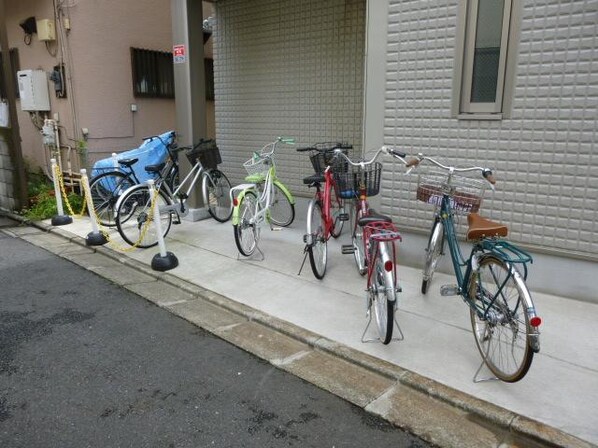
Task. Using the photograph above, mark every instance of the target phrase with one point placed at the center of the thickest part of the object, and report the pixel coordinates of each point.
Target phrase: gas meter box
(33, 90)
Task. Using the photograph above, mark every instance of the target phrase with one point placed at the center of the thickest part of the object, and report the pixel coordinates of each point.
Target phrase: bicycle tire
(133, 215)
(216, 195)
(337, 207)
(383, 296)
(105, 190)
(318, 249)
(433, 252)
(247, 235)
(503, 334)
(282, 209)
(357, 240)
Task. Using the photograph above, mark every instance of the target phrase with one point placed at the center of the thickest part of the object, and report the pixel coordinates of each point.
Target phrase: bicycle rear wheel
(134, 217)
(247, 234)
(433, 252)
(500, 319)
(337, 207)
(357, 239)
(318, 247)
(282, 210)
(105, 190)
(383, 294)
(216, 195)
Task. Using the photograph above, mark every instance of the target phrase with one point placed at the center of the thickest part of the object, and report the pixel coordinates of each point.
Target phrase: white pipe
(157, 223)
(92, 215)
(57, 193)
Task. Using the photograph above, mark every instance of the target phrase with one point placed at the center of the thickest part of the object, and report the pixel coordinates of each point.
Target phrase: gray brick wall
(544, 156)
(291, 68)
(6, 176)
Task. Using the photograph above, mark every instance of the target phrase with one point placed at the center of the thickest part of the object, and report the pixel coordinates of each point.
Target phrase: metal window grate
(153, 73)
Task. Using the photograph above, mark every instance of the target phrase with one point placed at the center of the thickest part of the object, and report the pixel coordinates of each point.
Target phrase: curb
(509, 428)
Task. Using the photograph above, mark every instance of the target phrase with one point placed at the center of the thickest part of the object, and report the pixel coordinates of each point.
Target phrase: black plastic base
(160, 263)
(61, 220)
(95, 239)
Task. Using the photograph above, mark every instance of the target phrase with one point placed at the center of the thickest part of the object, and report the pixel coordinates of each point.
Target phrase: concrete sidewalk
(438, 356)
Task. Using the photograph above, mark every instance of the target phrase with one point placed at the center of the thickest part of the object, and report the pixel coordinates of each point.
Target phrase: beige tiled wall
(290, 68)
(544, 156)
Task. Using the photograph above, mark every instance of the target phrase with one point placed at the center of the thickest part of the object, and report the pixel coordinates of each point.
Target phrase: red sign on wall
(179, 54)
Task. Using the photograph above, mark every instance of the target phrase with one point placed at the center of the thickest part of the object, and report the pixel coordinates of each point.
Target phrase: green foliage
(42, 201)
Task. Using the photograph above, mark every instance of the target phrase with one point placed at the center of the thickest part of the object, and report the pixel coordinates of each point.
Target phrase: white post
(89, 200)
(157, 223)
(115, 160)
(95, 237)
(57, 188)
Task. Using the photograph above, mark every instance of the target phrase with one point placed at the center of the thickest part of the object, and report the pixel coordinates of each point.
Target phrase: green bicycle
(263, 198)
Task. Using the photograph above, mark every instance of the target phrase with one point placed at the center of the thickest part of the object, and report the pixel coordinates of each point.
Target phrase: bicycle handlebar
(486, 172)
(386, 149)
(326, 147)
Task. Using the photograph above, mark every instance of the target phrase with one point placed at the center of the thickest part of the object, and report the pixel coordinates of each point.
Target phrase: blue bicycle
(491, 281)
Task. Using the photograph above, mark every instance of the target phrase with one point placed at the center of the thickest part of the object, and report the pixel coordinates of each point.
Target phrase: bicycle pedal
(276, 229)
(347, 249)
(343, 216)
(450, 290)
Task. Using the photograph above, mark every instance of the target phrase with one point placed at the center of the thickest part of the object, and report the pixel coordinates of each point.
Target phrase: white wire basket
(465, 193)
(257, 166)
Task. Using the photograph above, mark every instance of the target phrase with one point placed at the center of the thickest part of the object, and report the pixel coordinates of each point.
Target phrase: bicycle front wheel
(282, 210)
(433, 252)
(247, 233)
(135, 220)
(337, 207)
(318, 247)
(383, 294)
(500, 319)
(216, 195)
(105, 190)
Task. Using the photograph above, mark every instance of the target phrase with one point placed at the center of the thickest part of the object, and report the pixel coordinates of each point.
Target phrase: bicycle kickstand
(306, 252)
(476, 376)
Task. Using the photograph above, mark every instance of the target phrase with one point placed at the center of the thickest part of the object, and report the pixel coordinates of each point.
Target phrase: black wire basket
(207, 152)
(356, 179)
(323, 155)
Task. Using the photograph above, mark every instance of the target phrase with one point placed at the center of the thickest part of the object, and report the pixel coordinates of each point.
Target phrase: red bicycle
(373, 240)
(326, 211)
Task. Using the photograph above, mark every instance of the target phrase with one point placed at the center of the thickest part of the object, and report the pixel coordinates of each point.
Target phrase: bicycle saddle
(313, 179)
(481, 227)
(155, 168)
(373, 217)
(128, 162)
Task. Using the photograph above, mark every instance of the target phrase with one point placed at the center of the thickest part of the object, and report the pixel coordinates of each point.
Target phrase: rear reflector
(235, 202)
(388, 266)
(535, 321)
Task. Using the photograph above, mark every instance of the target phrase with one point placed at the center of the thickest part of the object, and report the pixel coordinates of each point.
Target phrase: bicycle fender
(388, 276)
(239, 197)
(127, 192)
(285, 190)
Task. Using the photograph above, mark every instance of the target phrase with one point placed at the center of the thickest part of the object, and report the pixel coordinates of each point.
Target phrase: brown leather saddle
(481, 227)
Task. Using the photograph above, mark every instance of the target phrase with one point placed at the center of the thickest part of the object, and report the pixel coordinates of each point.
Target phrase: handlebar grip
(305, 149)
(412, 163)
(288, 140)
(397, 153)
(489, 176)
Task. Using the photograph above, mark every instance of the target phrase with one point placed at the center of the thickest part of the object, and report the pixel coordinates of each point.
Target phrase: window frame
(152, 63)
(462, 107)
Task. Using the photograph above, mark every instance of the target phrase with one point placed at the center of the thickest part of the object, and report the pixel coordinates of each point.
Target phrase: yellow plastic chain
(58, 175)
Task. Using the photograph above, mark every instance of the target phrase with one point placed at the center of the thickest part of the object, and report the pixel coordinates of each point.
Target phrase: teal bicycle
(263, 198)
(491, 281)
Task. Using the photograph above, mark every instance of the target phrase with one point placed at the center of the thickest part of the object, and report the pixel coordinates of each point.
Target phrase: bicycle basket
(323, 155)
(257, 165)
(207, 152)
(350, 183)
(465, 194)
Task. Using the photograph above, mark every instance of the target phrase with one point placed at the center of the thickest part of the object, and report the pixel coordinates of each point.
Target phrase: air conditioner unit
(33, 90)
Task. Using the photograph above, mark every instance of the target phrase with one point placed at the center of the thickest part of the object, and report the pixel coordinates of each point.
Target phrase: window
(14, 60)
(153, 74)
(484, 59)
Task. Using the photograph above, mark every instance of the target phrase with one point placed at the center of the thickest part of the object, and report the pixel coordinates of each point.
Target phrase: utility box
(46, 30)
(33, 90)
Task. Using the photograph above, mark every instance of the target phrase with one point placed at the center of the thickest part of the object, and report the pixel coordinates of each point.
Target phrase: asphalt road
(85, 363)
